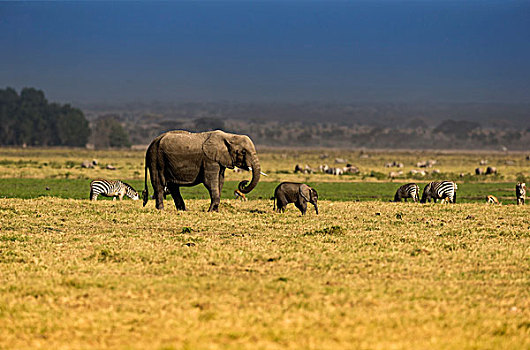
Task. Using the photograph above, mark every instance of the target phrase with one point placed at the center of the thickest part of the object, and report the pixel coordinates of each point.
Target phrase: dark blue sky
(348, 51)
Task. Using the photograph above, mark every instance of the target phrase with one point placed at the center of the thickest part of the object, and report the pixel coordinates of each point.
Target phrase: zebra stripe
(520, 192)
(111, 188)
(444, 190)
(410, 190)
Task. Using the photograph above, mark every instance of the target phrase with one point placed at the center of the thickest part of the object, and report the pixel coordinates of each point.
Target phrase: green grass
(334, 191)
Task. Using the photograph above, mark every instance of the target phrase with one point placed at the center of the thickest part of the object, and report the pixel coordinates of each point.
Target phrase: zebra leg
(177, 197)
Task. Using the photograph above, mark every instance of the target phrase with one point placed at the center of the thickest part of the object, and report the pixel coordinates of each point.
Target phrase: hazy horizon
(294, 51)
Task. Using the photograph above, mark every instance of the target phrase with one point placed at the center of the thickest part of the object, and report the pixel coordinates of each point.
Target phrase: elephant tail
(145, 192)
(274, 203)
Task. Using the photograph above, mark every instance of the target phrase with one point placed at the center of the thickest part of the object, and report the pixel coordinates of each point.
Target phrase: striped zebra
(492, 199)
(111, 188)
(520, 192)
(444, 190)
(410, 190)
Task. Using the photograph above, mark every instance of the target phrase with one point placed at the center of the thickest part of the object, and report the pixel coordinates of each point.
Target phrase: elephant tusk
(261, 172)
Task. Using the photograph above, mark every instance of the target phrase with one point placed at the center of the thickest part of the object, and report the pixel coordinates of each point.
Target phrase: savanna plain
(366, 273)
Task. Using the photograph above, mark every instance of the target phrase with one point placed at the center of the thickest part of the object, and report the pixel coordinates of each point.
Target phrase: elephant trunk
(256, 173)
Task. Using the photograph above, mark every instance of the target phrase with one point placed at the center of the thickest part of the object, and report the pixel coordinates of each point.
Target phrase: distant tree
(9, 101)
(456, 128)
(72, 127)
(108, 132)
(208, 124)
(29, 119)
(417, 123)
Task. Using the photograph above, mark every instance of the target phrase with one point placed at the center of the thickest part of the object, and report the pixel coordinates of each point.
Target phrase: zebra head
(426, 193)
(131, 192)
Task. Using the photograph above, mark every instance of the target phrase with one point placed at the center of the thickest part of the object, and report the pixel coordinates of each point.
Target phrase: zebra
(520, 192)
(410, 190)
(492, 199)
(111, 188)
(444, 190)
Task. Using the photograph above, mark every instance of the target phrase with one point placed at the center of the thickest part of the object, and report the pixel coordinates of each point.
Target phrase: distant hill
(473, 125)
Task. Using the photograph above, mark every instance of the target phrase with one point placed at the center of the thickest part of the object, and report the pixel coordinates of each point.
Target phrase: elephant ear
(314, 194)
(305, 192)
(217, 148)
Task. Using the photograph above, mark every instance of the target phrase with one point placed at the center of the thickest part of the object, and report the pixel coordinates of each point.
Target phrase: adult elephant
(180, 158)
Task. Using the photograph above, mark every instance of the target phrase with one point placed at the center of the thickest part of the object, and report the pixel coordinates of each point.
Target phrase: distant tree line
(29, 119)
(108, 132)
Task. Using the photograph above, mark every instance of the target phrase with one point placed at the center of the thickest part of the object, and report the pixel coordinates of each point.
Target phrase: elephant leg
(281, 202)
(177, 197)
(221, 180)
(159, 199)
(158, 183)
(279, 206)
(302, 206)
(215, 196)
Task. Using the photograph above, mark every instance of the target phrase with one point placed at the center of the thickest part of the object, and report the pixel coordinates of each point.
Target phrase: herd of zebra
(446, 192)
(443, 190)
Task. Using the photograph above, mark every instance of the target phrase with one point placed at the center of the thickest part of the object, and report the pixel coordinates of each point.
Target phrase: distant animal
(520, 192)
(394, 174)
(293, 192)
(394, 164)
(479, 171)
(490, 199)
(444, 190)
(240, 195)
(491, 170)
(112, 188)
(410, 190)
(305, 170)
(350, 169)
(337, 171)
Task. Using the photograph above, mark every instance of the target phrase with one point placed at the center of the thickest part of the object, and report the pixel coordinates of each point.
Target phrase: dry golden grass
(364, 275)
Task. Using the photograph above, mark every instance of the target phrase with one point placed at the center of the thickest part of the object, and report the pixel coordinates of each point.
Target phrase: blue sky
(288, 51)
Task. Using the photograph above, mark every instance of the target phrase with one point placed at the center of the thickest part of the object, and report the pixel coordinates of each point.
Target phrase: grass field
(364, 274)
(333, 191)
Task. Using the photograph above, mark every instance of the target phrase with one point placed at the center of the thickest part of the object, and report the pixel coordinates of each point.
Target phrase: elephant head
(310, 195)
(230, 151)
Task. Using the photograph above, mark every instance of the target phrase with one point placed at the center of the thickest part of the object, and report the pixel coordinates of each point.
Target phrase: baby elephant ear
(217, 148)
(305, 192)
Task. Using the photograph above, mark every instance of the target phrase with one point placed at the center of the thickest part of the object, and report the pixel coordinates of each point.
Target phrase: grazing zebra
(520, 192)
(492, 199)
(444, 190)
(408, 191)
(111, 188)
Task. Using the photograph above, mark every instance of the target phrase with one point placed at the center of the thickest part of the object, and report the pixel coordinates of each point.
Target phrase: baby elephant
(297, 193)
